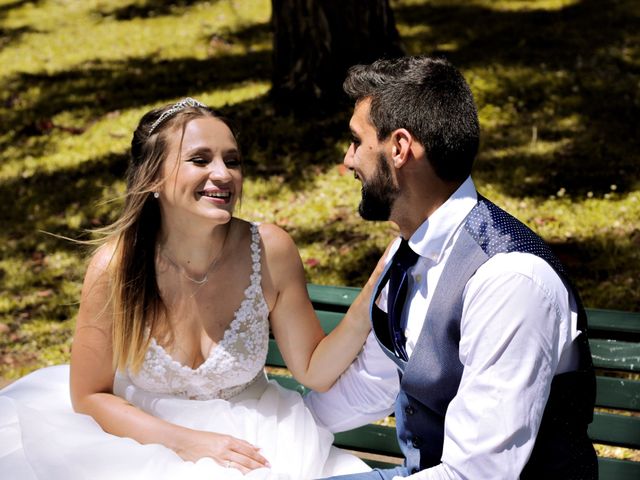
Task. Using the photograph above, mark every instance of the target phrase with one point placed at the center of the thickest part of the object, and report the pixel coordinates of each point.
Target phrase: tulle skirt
(42, 438)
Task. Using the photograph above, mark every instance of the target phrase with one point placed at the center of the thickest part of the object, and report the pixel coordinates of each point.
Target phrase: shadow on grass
(598, 265)
(574, 64)
(97, 88)
(8, 6)
(600, 269)
(42, 201)
(10, 36)
(150, 8)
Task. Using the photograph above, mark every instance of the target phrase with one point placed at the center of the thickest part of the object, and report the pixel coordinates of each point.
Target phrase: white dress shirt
(518, 327)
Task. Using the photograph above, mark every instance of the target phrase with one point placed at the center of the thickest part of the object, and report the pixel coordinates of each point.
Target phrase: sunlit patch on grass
(55, 28)
(104, 136)
(617, 452)
(527, 5)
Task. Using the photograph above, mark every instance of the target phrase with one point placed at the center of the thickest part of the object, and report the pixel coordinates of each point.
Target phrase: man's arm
(366, 391)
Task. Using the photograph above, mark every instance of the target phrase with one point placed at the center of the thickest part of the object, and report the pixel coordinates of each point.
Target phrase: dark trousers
(377, 474)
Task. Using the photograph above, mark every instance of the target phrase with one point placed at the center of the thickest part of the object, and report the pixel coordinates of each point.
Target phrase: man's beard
(378, 194)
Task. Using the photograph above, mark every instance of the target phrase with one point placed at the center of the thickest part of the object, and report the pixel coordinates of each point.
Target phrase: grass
(556, 83)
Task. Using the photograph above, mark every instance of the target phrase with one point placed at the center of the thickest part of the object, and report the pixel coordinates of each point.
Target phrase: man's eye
(355, 141)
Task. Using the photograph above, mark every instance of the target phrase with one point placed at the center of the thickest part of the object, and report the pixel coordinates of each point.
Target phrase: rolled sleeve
(365, 392)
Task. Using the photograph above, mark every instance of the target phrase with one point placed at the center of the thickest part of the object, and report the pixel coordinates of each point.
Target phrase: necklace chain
(183, 271)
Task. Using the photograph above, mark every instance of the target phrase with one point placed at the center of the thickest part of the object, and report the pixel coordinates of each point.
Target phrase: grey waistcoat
(430, 379)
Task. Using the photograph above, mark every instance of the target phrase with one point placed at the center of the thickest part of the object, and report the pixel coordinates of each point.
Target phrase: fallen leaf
(312, 262)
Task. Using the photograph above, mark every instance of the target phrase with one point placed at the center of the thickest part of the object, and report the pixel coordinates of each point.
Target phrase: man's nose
(349, 157)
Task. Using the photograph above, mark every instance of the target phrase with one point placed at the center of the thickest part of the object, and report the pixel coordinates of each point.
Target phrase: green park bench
(615, 344)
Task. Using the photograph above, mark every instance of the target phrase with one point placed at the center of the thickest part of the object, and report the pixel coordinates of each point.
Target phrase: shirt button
(418, 278)
(409, 410)
(415, 441)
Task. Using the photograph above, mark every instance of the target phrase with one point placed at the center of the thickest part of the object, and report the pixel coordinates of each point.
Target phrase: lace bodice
(232, 365)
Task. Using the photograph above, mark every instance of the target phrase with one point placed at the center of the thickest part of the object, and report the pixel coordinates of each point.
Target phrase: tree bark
(316, 41)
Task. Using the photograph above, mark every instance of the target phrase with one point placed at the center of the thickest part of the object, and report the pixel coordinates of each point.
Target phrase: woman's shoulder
(102, 259)
(277, 245)
(276, 239)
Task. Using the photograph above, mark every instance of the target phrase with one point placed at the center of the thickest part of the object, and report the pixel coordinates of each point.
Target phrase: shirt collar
(432, 237)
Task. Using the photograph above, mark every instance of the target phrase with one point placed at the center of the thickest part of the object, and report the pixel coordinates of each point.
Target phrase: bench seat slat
(370, 438)
(289, 383)
(379, 464)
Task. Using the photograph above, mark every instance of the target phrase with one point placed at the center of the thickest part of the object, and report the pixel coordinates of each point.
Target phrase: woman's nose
(220, 171)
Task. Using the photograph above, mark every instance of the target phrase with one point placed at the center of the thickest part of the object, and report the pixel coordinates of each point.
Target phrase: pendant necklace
(212, 265)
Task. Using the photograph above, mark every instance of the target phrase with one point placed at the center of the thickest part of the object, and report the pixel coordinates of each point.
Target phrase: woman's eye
(232, 162)
(198, 161)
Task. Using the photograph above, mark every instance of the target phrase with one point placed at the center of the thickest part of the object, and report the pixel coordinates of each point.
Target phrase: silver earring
(156, 194)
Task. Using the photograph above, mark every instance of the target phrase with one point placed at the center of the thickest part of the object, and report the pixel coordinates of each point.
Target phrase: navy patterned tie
(403, 260)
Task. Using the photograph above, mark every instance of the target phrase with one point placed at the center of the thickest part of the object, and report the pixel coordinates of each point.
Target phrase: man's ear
(401, 143)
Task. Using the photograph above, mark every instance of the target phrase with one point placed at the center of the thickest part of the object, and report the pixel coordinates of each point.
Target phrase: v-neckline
(254, 284)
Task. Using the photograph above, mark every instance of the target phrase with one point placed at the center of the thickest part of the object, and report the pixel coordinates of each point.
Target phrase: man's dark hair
(431, 99)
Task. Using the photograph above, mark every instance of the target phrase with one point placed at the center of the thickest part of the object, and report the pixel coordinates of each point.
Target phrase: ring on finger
(227, 464)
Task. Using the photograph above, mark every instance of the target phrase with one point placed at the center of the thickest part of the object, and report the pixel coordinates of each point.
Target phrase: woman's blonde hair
(136, 302)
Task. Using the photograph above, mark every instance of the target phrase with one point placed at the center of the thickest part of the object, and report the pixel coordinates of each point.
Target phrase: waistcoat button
(414, 470)
(415, 441)
(409, 410)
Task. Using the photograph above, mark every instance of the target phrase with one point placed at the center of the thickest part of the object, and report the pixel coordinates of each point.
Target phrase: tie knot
(405, 257)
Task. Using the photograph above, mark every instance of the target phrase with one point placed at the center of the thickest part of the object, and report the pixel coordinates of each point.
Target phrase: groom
(473, 315)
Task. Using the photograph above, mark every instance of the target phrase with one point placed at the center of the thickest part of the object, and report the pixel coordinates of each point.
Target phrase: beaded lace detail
(232, 365)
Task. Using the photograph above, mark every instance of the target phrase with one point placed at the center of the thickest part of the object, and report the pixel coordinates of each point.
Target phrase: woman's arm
(314, 359)
(92, 385)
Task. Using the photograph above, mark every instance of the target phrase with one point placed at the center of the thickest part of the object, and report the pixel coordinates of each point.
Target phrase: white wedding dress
(42, 438)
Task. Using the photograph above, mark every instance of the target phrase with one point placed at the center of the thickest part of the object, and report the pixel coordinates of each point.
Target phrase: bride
(167, 367)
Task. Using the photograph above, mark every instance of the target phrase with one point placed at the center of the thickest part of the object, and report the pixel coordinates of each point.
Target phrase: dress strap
(255, 251)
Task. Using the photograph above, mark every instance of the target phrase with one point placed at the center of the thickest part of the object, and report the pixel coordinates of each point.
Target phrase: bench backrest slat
(615, 354)
(618, 393)
(614, 469)
(613, 321)
(614, 429)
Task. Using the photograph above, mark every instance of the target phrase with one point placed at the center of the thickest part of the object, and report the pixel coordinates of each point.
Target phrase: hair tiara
(181, 105)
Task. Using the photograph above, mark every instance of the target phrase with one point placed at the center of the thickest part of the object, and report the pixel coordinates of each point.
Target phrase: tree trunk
(316, 41)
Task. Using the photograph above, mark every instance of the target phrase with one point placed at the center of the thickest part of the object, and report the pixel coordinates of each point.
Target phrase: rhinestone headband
(181, 105)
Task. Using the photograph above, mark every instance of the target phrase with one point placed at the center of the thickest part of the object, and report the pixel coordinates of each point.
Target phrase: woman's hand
(226, 450)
